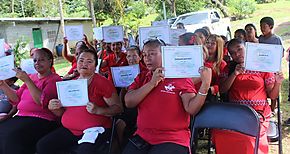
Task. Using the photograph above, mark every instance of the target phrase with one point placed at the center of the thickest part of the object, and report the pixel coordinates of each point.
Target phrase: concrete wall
(12, 31)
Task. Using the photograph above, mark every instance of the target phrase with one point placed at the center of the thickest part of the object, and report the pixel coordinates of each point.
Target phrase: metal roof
(44, 19)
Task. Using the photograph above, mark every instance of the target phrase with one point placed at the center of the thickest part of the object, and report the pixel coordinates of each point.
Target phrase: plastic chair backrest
(229, 116)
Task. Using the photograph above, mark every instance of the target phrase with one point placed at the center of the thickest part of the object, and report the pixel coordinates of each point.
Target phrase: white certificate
(2, 49)
(124, 76)
(6, 66)
(98, 33)
(160, 23)
(98, 66)
(27, 65)
(182, 61)
(160, 32)
(74, 33)
(113, 34)
(263, 57)
(73, 92)
(174, 35)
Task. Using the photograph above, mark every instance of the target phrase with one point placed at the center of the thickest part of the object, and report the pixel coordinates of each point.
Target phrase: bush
(241, 9)
(265, 1)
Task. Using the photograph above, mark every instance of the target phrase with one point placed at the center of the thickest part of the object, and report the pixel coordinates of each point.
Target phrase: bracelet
(202, 94)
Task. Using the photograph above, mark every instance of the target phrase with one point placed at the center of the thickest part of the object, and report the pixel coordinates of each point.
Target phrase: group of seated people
(153, 113)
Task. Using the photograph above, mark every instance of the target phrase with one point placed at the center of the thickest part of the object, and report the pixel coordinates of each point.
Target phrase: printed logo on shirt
(169, 89)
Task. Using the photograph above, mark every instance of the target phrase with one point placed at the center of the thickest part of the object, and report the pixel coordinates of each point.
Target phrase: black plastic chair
(229, 116)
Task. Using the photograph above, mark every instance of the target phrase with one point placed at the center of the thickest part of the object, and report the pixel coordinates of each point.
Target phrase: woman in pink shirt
(76, 120)
(19, 134)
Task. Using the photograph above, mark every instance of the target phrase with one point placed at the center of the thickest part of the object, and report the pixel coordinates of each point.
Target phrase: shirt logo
(169, 89)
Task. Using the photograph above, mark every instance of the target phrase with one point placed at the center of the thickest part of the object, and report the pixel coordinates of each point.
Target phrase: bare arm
(134, 97)
(114, 107)
(34, 91)
(65, 51)
(226, 84)
(273, 89)
(192, 103)
(9, 92)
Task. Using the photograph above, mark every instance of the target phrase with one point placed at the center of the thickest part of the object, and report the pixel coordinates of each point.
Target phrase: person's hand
(92, 108)
(22, 75)
(85, 39)
(205, 74)
(65, 41)
(239, 69)
(95, 42)
(54, 104)
(157, 77)
(279, 77)
(75, 73)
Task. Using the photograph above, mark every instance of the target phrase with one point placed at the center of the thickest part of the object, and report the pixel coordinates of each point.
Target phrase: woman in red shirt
(250, 88)
(103, 104)
(164, 106)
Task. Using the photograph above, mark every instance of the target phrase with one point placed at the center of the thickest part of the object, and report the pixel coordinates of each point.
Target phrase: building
(40, 32)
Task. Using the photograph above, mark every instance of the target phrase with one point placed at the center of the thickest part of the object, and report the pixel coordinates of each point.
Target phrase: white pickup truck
(208, 18)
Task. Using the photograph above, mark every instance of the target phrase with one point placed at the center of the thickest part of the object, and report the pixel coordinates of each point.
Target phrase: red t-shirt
(161, 115)
(73, 66)
(215, 77)
(250, 88)
(77, 118)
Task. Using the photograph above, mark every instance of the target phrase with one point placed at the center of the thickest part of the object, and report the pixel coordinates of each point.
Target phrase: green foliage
(76, 8)
(265, 1)
(182, 6)
(20, 50)
(242, 8)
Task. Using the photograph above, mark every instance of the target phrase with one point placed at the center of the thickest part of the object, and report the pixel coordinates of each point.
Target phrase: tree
(220, 4)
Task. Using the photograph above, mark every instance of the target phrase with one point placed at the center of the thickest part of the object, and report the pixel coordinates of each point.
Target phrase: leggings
(63, 141)
(20, 134)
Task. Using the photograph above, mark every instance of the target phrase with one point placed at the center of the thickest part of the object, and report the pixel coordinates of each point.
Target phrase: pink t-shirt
(26, 105)
(161, 115)
(77, 118)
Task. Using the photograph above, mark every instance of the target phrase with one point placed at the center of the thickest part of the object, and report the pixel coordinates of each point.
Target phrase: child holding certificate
(164, 106)
(250, 88)
(85, 127)
(20, 133)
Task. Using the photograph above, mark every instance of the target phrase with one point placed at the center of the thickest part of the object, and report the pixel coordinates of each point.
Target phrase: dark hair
(234, 42)
(154, 43)
(252, 25)
(134, 47)
(242, 31)
(267, 20)
(190, 39)
(93, 52)
(203, 31)
(48, 53)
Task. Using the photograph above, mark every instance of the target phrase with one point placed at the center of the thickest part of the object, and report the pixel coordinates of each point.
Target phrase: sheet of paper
(182, 61)
(73, 92)
(6, 66)
(263, 57)
(174, 36)
(113, 34)
(160, 32)
(124, 76)
(2, 49)
(98, 66)
(27, 65)
(98, 33)
(74, 33)
(160, 23)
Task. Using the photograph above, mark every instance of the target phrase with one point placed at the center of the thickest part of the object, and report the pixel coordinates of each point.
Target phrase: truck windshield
(193, 19)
